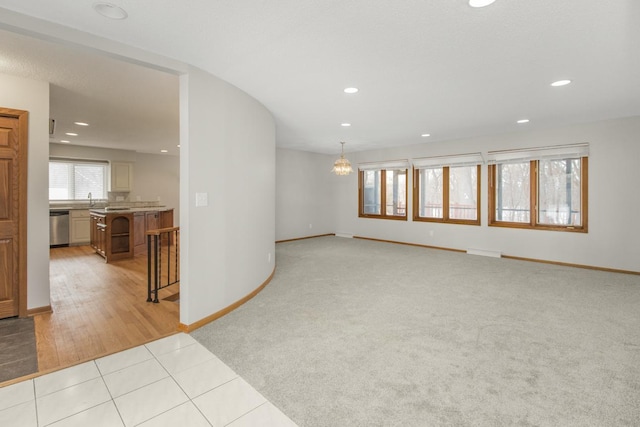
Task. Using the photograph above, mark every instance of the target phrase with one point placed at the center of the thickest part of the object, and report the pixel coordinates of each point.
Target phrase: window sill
(395, 218)
(527, 226)
(447, 221)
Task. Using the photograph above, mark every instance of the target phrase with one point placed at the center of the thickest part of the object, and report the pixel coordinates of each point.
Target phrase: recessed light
(109, 10)
(560, 83)
(521, 121)
(81, 123)
(71, 134)
(65, 141)
(164, 151)
(425, 135)
(351, 90)
(346, 125)
(480, 3)
(178, 145)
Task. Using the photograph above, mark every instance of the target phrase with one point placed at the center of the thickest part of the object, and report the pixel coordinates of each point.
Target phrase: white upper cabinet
(121, 176)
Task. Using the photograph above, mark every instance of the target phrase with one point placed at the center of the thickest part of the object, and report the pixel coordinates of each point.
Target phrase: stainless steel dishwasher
(58, 228)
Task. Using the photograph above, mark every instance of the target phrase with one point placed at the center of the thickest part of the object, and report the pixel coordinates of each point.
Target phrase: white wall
(33, 96)
(304, 197)
(91, 153)
(157, 177)
(228, 153)
(613, 240)
(154, 175)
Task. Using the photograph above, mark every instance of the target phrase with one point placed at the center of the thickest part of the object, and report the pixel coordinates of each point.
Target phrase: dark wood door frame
(21, 163)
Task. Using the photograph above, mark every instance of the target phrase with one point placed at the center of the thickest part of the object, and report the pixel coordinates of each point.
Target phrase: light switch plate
(202, 199)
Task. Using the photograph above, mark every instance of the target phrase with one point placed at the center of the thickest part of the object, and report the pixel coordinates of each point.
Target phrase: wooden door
(13, 212)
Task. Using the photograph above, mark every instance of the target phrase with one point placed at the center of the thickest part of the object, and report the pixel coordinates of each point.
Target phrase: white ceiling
(127, 106)
(422, 66)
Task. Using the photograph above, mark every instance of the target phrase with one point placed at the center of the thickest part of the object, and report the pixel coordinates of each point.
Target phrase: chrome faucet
(91, 202)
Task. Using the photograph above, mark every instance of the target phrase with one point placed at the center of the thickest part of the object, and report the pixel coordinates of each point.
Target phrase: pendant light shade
(342, 166)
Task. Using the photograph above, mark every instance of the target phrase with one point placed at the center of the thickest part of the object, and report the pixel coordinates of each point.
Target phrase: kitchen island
(119, 233)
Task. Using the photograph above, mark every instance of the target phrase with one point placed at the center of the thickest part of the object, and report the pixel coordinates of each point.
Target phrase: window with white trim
(542, 188)
(447, 189)
(382, 190)
(75, 179)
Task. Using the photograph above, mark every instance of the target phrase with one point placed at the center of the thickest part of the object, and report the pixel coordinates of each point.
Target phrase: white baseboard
(484, 252)
(347, 235)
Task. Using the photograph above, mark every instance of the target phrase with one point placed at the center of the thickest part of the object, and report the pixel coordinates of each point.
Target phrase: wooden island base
(119, 235)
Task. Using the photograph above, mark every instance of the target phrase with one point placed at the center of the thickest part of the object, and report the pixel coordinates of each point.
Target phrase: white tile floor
(169, 382)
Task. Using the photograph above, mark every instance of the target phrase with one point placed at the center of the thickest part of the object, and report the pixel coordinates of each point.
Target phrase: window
(75, 179)
(383, 191)
(447, 189)
(542, 188)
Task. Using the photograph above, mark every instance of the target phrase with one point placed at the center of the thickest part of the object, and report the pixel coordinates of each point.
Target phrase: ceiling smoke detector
(110, 11)
(480, 3)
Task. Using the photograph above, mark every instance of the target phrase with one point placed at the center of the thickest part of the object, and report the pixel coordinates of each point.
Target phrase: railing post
(156, 269)
(149, 268)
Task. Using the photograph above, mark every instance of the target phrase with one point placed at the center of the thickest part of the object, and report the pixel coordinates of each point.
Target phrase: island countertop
(110, 210)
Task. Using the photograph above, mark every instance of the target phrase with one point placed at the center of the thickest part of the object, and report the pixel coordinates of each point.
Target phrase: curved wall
(228, 153)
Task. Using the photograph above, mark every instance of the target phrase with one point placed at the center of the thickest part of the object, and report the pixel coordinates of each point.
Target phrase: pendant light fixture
(342, 165)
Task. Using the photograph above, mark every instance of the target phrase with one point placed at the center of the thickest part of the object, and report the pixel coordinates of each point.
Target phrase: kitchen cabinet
(166, 218)
(149, 220)
(139, 232)
(112, 235)
(79, 229)
(152, 220)
(97, 233)
(166, 221)
(121, 177)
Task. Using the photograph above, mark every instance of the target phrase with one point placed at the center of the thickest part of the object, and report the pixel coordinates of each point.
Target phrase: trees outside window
(447, 189)
(383, 193)
(548, 193)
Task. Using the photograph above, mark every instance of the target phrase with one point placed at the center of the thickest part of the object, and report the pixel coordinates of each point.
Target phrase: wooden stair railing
(159, 276)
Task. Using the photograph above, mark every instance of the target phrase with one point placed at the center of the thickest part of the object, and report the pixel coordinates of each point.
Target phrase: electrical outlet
(269, 257)
(310, 226)
(430, 233)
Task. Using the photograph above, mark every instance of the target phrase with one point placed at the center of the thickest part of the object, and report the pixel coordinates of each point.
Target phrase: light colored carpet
(360, 333)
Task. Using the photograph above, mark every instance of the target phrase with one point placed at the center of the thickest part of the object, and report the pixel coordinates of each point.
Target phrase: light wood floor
(99, 308)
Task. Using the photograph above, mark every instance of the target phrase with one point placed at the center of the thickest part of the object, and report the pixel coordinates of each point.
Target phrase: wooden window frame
(383, 196)
(445, 199)
(533, 201)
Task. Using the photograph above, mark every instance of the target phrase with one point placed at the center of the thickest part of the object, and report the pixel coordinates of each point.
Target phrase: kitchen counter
(99, 206)
(107, 210)
(66, 208)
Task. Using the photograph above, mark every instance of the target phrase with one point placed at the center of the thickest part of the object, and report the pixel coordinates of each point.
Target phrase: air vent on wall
(52, 126)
